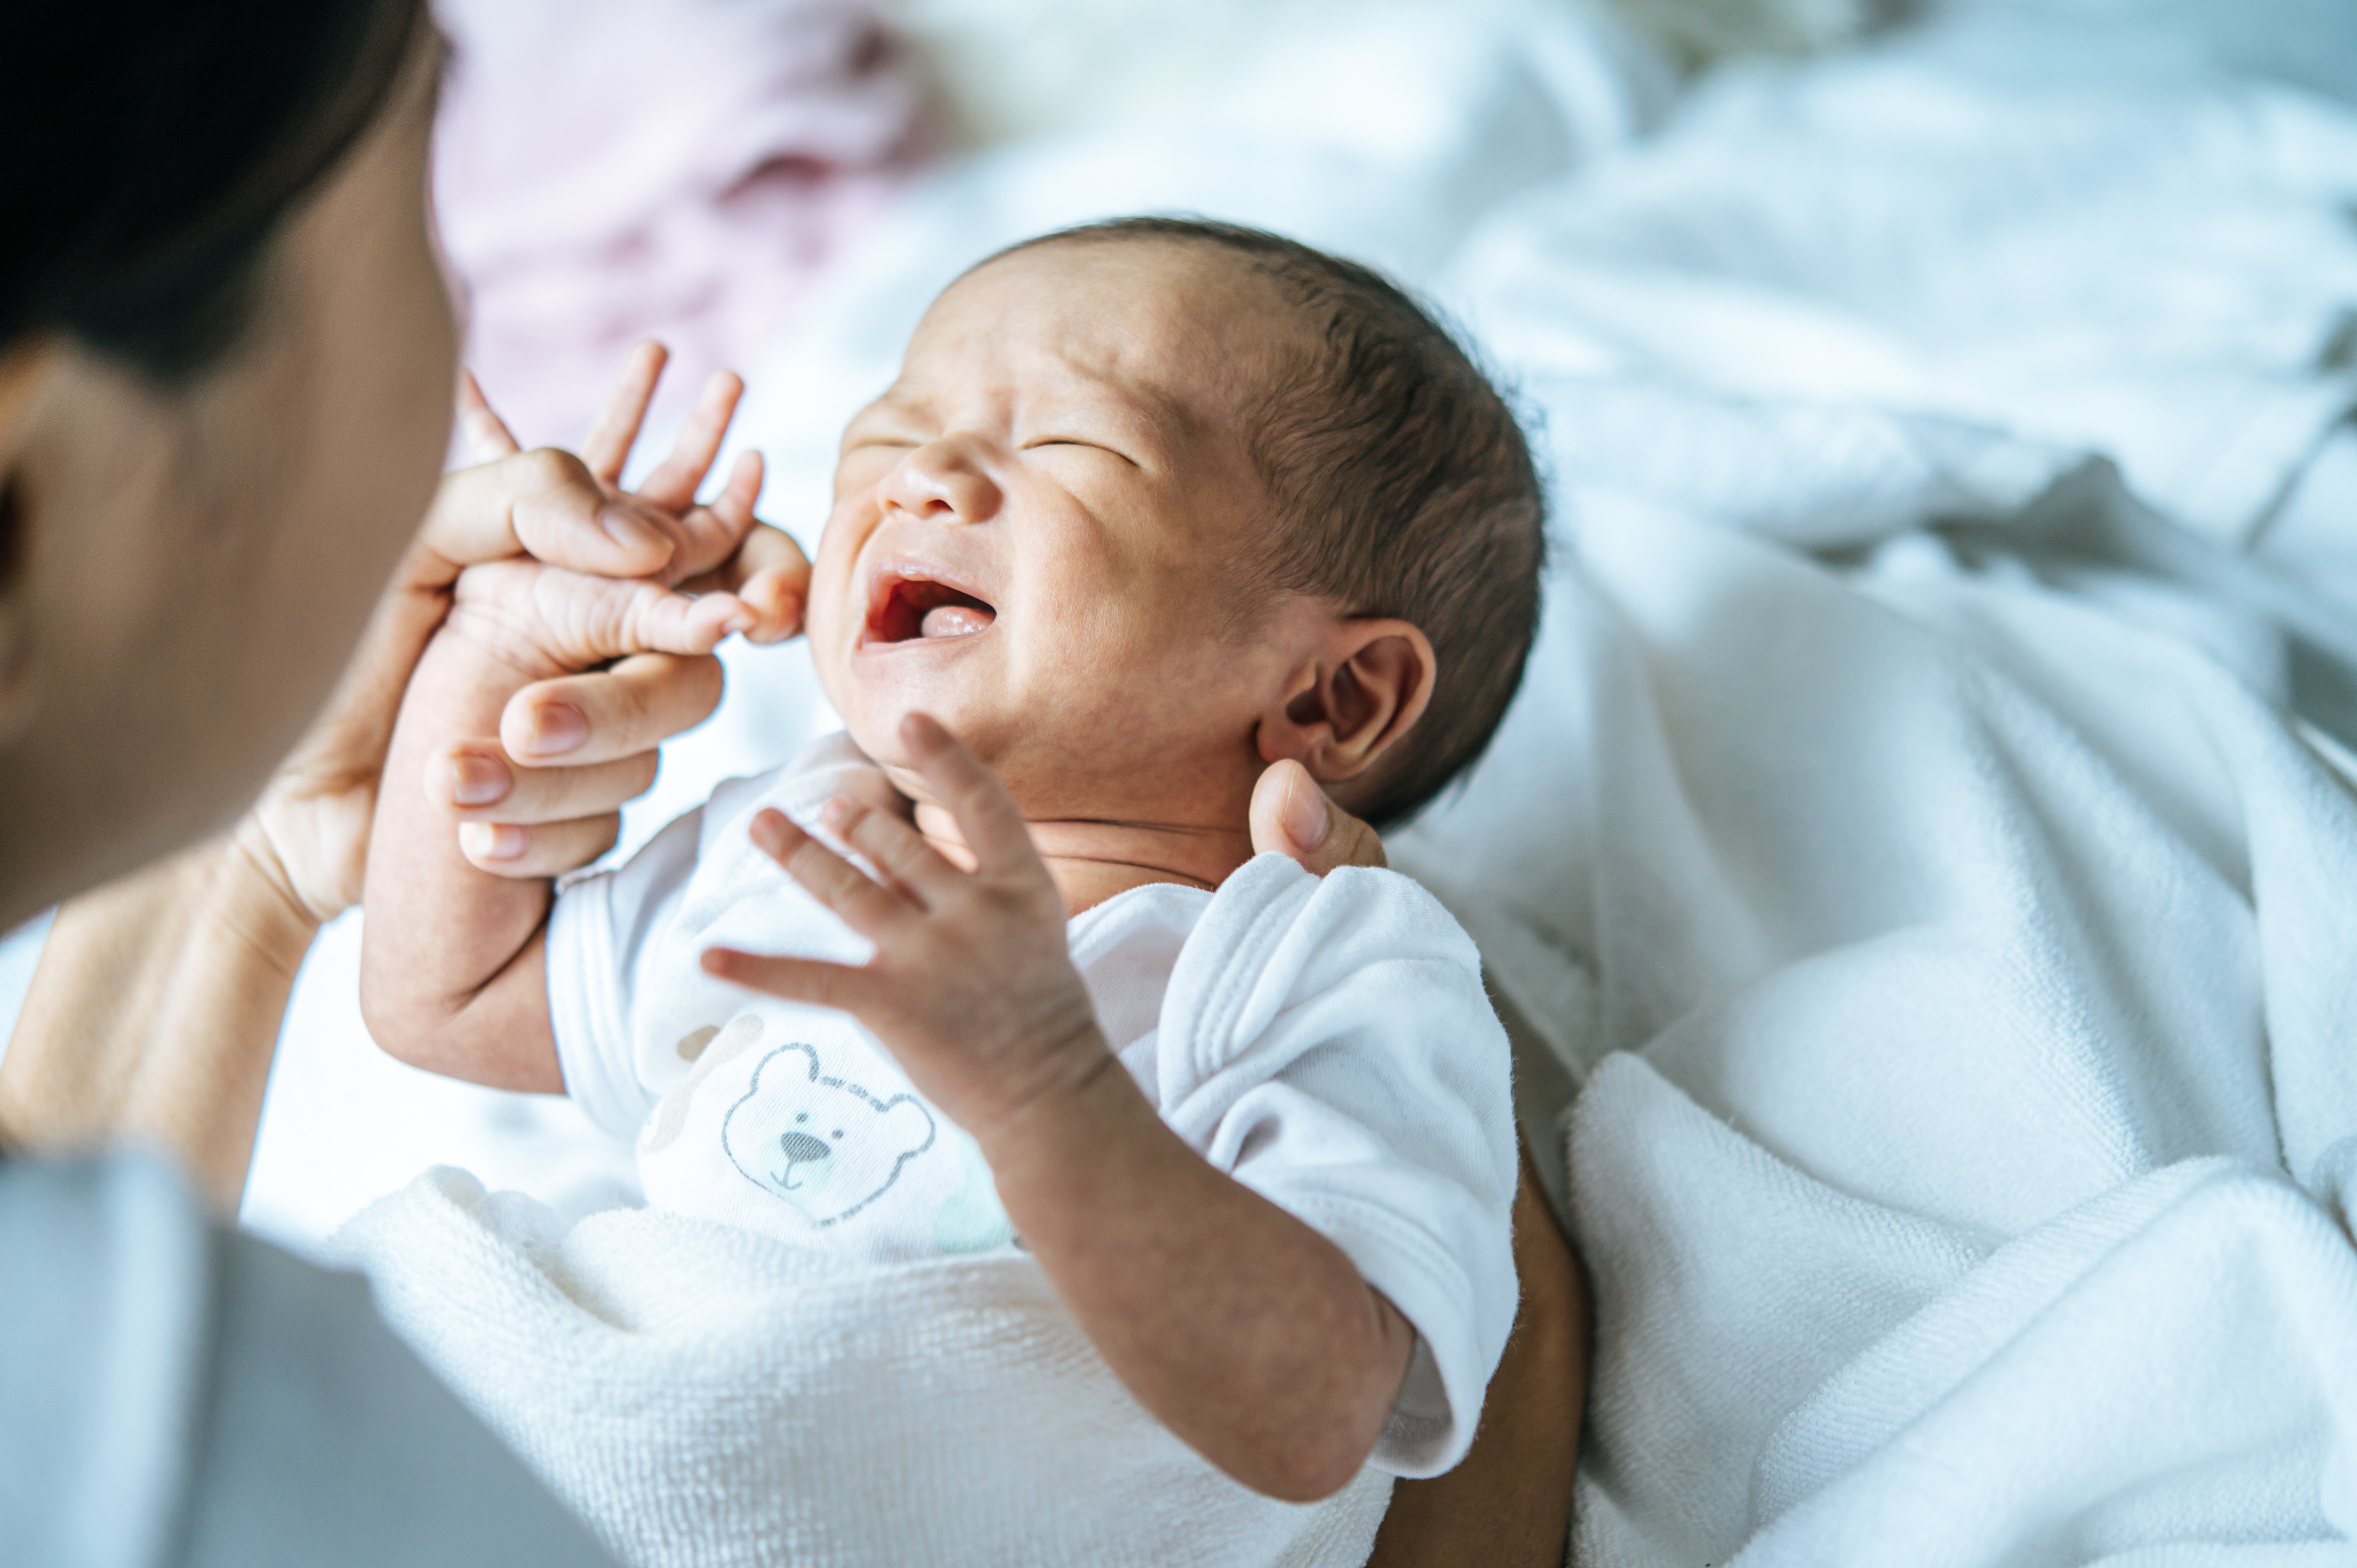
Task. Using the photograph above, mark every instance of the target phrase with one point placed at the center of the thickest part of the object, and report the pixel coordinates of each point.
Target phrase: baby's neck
(1092, 861)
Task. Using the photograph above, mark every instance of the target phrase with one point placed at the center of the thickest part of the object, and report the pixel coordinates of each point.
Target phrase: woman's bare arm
(1508, 1503)
(154, 1013)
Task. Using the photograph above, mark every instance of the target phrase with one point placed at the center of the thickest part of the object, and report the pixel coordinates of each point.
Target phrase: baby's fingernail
(627, 531)
(491, 841)
(556, 728)
(836, 812)
(1305, 815)
(477, 781)
(769, 830)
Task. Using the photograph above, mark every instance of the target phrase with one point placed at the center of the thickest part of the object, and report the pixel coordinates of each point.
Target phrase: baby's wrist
(1071, 1120)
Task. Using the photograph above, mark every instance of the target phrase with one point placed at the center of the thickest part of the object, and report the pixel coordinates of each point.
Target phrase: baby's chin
(873, 720)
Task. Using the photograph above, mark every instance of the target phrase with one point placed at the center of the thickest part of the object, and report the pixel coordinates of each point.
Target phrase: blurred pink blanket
(612, 169)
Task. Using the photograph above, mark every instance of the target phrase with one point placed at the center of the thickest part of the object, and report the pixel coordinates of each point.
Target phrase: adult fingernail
(556, 728)
(479, 780)
(1304, 814)
(627, 531)
(491, 841)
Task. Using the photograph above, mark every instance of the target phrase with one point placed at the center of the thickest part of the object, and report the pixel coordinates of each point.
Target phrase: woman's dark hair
(153, 148)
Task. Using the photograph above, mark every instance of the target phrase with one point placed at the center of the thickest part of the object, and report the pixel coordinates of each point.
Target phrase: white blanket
(1959, 945)
(705, 1396)
(1985, 960)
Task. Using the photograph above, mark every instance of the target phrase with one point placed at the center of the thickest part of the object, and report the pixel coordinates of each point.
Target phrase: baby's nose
(800, 1146)
(942, 481)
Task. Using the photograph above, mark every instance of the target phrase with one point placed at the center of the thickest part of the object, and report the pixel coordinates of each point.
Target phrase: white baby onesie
(1326, 1042)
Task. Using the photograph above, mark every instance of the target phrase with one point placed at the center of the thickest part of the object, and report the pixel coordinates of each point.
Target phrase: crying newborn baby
(1153, 505)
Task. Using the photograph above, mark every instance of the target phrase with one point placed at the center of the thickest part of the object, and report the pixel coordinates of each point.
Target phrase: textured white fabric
(1976, 918)
(1972, 1182)
(1326, 1042)
(714, 1398)
(1834, 296)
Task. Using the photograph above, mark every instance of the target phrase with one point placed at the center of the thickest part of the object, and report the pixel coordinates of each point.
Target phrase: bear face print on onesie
(792, 1122)
(826, 1146)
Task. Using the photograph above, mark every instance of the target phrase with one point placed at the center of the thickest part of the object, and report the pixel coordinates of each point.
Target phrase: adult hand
(1292, 816)
(577, 747)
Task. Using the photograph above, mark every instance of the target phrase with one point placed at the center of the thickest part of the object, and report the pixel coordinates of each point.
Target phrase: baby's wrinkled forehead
(1171, 335)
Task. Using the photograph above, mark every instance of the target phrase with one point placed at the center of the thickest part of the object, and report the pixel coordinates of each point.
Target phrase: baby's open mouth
(910, 608)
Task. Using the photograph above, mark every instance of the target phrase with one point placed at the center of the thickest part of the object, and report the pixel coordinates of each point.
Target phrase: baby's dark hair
(1403, 486)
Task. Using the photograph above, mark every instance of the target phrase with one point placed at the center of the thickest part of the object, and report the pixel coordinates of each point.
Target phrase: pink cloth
(607, 171)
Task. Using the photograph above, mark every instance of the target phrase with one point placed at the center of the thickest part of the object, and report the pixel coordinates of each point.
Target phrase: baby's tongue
(952, 620)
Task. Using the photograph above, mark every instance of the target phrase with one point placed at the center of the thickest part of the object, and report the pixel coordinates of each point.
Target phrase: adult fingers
(544, 849)
(676, 480)
(1292, 816)
(545, 503)
(616, 430)
(804, 980)
(474, 780)
(633, 707)
(993, 829)
(487, 436)
(863, 904)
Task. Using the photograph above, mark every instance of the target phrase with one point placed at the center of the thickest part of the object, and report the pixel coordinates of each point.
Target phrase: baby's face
(1036, 532)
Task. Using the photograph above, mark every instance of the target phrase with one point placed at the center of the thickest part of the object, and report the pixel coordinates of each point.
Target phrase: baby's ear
(1364, 686)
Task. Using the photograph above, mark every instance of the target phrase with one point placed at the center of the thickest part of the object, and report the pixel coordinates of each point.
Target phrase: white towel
(703, 1395)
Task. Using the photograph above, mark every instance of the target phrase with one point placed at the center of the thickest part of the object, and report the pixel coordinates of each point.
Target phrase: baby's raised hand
(972, 985)
(704, 571)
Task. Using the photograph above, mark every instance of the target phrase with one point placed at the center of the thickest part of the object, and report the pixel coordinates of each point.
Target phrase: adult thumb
(1292, 816)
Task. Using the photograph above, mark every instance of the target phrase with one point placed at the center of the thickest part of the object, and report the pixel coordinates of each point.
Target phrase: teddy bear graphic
(827, 1146)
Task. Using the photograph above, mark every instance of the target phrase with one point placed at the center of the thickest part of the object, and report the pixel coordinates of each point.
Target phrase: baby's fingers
(993, 829)
(895, 849)
(674, 484)
(660, 620)
(487, 436)
(872, 910)
(771, 577)
(709, 536)
(803, 979)
(607, 447)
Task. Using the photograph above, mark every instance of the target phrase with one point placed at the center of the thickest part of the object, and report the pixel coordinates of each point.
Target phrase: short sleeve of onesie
(1328, 1043)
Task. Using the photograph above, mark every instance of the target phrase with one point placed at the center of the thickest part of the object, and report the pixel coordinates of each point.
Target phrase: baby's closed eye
(1081, 443)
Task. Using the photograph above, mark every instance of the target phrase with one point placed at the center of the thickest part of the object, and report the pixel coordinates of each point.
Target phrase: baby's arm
(1243, 1330)
(452, 970)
